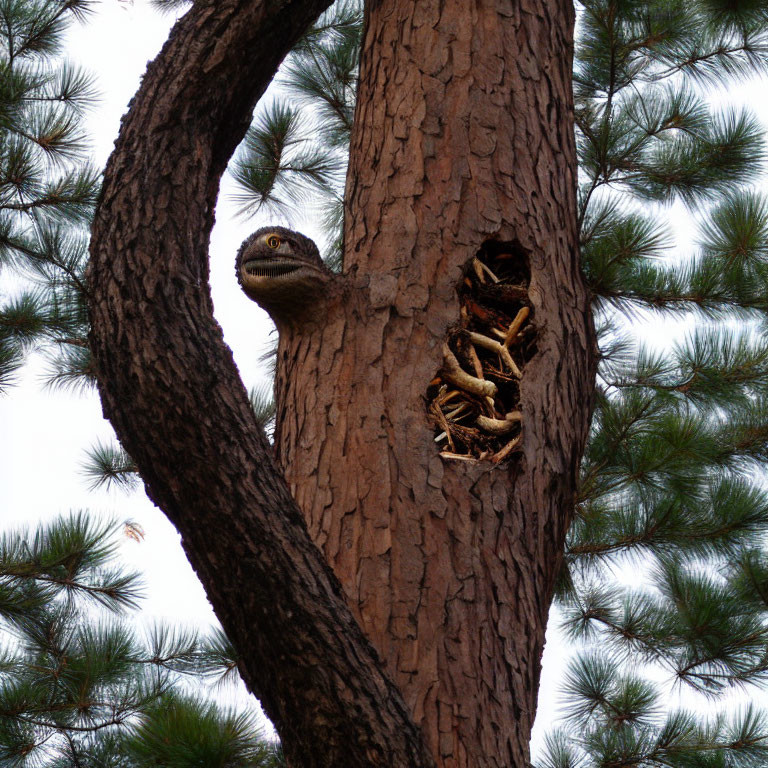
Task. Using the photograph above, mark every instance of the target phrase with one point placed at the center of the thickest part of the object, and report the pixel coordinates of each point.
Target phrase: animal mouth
(270, 267)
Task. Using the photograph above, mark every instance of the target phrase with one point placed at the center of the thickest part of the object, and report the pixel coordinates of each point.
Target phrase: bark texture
(463, 133)
(170, 388)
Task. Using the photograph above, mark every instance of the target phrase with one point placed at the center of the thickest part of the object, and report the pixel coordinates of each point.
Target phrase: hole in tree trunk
(474, 399)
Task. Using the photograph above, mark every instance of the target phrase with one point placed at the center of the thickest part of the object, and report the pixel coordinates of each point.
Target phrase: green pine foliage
(293, 160)
(263, 405)
(109, 466)
(81, 684)
(47, 190)
(203, 735)
(671, 483)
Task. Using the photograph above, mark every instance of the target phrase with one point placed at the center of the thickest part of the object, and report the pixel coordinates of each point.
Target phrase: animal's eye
(273, 241)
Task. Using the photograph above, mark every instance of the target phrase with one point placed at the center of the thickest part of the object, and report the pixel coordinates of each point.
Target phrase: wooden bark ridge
(426, 649)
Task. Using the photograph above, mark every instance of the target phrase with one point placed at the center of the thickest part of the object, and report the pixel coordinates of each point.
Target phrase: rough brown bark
(463, 133)
(171, 390)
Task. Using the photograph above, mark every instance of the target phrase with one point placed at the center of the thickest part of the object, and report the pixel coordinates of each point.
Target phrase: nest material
(474, 401)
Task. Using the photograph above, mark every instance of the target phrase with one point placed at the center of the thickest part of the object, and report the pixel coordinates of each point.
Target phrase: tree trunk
(171, 390)
(463, 134)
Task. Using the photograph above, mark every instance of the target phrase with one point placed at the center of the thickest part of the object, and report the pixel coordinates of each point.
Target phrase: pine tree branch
(594, 549)
(80, 343)
(46, 201)
(704, 58)
(594, 470)
(73, 750)
(747, 641)
(69, 728)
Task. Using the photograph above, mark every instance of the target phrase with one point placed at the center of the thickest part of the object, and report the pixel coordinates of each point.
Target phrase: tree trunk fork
(463, 134)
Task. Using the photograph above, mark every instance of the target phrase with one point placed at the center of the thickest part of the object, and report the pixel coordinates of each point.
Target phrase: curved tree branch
(171, 390)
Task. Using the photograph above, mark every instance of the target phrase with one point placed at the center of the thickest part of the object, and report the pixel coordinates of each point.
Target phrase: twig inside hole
(438, 411)
(455, 374)
(494, 346)
(499, 456)
(515, 325)
(480, 267)
(500, 426)
(475, 362)
(460, 456)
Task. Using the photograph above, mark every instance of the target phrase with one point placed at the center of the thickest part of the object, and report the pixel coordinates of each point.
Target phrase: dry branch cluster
(474, 399)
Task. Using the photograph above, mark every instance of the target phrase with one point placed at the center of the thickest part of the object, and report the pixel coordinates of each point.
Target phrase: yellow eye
(273, 241)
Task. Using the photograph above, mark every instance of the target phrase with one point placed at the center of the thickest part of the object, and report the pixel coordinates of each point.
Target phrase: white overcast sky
(45, 433)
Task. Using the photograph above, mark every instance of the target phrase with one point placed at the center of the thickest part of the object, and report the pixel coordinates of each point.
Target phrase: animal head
(282, 272)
